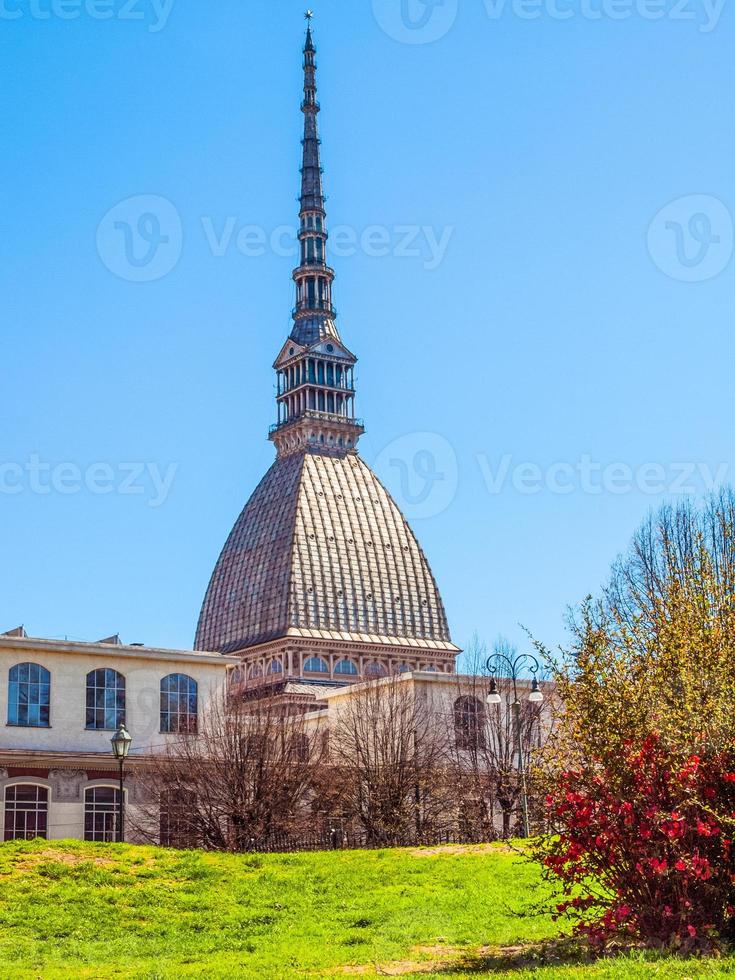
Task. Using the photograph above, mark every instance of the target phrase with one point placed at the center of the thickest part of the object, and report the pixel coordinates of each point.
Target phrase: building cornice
(354, 643)
(114, 651)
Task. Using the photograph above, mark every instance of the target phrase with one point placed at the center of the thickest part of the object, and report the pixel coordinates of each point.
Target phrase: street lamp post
(495, 663)
(121, 742)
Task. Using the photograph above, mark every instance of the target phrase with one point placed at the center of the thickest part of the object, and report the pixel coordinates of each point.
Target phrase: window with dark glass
(301, 748)
(179, 703)
(105, 699)
(29, 696)
(316, 665)
(101, 807)
(469, 723)
(26, 812)
(178, 824)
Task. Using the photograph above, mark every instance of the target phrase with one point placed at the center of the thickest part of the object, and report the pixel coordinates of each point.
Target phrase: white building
(60, 704)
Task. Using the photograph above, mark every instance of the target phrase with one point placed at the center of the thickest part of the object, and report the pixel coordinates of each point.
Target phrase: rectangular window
(178, 820)
(101, 805)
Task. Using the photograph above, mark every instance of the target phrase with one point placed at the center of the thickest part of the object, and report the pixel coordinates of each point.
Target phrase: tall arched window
(469, 723)
(316, 665)
(105, 699)
(29, 696)
(26, 812)
(345, 667)
(179, 704)
(101, 807)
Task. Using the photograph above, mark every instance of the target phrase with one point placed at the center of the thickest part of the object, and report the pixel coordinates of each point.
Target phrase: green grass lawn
(77, 910)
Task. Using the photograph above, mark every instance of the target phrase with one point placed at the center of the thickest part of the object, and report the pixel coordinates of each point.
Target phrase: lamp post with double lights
(512, 667)
(121, 742)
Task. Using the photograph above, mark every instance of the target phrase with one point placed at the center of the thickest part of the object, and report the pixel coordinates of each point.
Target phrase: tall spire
(312, 193)
(314, 314)
(316, 388)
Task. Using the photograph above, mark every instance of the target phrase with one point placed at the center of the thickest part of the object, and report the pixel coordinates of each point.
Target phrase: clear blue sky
(559, 325)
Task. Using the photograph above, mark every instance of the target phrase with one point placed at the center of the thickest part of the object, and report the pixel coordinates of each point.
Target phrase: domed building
(321, 581)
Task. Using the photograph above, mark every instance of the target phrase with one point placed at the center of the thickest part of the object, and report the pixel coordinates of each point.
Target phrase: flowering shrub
(645, 850)
(641, 767)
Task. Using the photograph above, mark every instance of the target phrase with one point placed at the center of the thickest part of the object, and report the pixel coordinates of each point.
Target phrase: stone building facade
(60, 704)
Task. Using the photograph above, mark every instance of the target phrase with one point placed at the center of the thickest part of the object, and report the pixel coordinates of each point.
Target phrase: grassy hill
(77, 910)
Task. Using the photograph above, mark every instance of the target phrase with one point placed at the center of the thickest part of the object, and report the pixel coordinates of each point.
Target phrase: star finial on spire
(309, 15)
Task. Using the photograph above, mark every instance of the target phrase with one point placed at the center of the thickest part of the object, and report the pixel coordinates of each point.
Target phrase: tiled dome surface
(321, 545)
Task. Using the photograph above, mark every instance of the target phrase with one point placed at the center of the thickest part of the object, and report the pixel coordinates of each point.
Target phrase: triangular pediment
(327, 348)
(289, 350)
(330, 348)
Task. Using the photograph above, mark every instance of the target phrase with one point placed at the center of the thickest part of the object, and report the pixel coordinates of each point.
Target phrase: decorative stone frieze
(66, 785)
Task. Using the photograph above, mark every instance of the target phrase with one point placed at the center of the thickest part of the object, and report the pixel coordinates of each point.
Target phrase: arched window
(469, 723)
(101, 807)
(316, 665)
(375, 669)
(404, 669)
(255, 671)
(26, 812)
(29, 696)
(345, 667)
(179, 704)
(105, 699)
(275, 667)
(431, 668)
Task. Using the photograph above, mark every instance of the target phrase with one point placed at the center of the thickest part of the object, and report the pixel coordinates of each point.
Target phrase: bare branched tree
(390, 761)
(243, 781)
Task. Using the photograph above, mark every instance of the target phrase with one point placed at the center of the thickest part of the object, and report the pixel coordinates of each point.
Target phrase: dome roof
(321, 549)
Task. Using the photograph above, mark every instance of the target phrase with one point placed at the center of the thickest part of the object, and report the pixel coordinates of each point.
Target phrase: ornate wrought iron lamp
(512, 667)
(121, 742)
